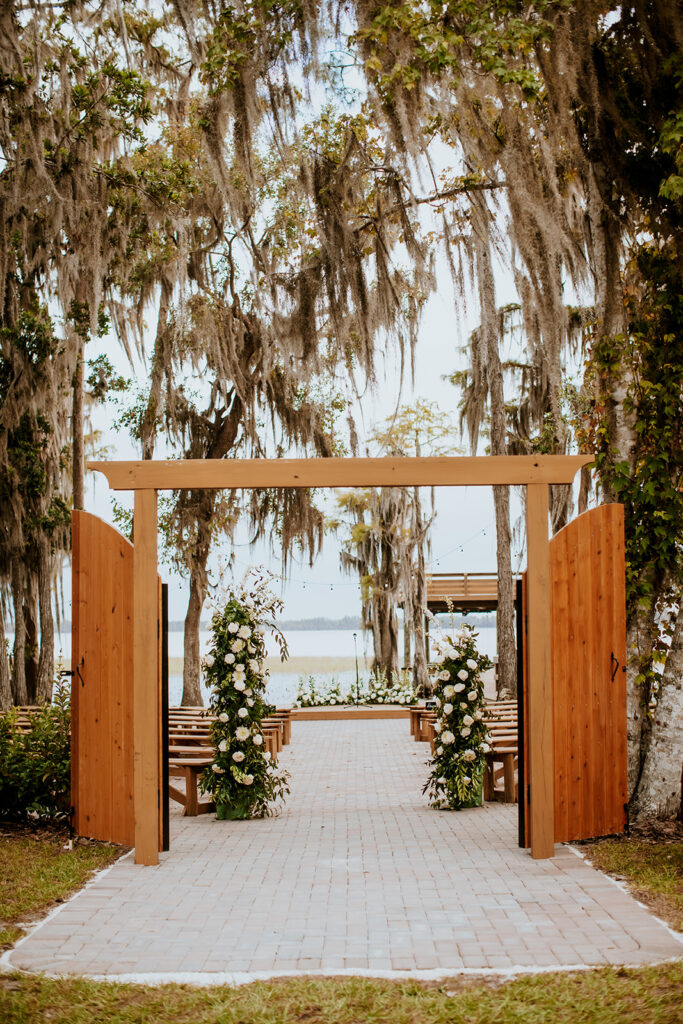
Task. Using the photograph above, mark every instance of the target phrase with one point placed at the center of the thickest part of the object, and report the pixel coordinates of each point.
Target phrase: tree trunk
(203, 504)
(77, 431)
(386, 657)
(659, 790)
(506, 678)
(19, 693)
(192, 693)
(406, 636)
(32, 629)
(420, 668)
(46, 662)
(5, 683)
(640, 637)
(505, 616)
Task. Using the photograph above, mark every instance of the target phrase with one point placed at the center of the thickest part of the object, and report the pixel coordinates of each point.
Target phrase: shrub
(35, 767)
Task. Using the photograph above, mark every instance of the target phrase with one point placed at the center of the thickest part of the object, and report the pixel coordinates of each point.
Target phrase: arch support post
(540, 683)
(146, 711)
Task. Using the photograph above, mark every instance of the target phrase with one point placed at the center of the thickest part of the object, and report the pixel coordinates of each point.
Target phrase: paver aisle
(356, 874)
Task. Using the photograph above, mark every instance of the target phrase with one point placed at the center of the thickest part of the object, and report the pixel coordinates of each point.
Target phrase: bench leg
(509, 777)
(191, 795)
(488, 781)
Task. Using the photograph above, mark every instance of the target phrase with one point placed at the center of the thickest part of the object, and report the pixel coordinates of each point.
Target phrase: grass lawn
(36, 872)
(607, 996)
(651, 863)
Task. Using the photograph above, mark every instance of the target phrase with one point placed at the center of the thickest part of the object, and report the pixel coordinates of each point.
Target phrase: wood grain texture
(101, 689)
(443, 471)
(539, 709)
(146, 710)
(589, 720)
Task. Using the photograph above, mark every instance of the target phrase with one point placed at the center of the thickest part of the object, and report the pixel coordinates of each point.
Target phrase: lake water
(328, 654)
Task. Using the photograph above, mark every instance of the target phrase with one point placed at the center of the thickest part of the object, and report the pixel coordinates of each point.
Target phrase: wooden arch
(145, 478)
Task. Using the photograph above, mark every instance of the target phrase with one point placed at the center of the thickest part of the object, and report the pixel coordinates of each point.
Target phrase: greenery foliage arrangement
(35, 766)
(376, 689)
(243, 780)
(457, 767)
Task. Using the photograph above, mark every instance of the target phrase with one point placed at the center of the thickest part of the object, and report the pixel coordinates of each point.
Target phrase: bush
(35, 767)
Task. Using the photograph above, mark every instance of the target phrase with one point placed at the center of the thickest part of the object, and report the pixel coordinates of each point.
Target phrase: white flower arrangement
(313, 692)
(456, 768)
(243, 782)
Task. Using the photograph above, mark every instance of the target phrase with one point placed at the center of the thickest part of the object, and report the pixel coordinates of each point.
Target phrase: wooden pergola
(145, 478)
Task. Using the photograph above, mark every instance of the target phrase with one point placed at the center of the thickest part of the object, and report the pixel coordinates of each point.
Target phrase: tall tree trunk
(407, 619)
(32, 629)
(77, 431)
(192, 692)
(640, 637)
(203, 503)
(5, 682)
(46, 663)
(420, 668)
(505, 616)
(659, 789)
(19, 693)
(506, 678)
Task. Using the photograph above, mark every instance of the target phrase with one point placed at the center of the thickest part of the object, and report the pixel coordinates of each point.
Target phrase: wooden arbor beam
(145, 478)
(445, 471)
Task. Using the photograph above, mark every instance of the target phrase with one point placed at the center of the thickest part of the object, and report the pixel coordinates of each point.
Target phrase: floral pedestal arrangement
(457, 766)
(243, 780)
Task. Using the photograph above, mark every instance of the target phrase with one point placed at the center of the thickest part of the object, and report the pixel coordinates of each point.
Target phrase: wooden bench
(189, 769)
(507, 757)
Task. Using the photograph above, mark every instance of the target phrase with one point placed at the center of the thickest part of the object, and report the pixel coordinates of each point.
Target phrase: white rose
(333, 701)
(479, 715)
(238, 756)
(380, 700)
(267, 754)
(233, 627)
(254, 665)
(251, 649)
(439, 751)
(466, 779)
(209, 660)
(472, 695)
(459, 687)
(242, 713)
(248, 779)
(471, 664)
(237, 645)
(448, 691)
(239, 684)
(465, 733)
(445, 675)
(217, 770)
(463, 674)
(258, 740)
(223, 746)
(447, 737)
(222, 717)
(241, 668)
(468, 755)
(244, 632)
(468, 720)
(438, 726)
(250, 702)
(248, 692)
(463, 707)
(241, 733)
(401, 700)
(229, 659)
(484, 747)
(448, 709)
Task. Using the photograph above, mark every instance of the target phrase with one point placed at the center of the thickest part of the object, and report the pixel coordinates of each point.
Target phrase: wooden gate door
(588, 609)
(102, 682)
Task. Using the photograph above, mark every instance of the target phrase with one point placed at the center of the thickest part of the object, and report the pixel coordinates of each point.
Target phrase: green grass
(642, 996)
(652, 870)
(36, 873)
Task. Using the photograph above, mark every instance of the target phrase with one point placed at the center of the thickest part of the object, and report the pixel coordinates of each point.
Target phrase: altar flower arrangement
(243, 780)
(457, 767)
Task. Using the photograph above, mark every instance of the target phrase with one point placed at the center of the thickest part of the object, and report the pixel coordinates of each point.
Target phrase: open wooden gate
(102, 741)
(588, 611)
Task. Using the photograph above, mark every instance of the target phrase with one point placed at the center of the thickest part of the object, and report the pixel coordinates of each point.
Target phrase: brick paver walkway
(356, 874)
